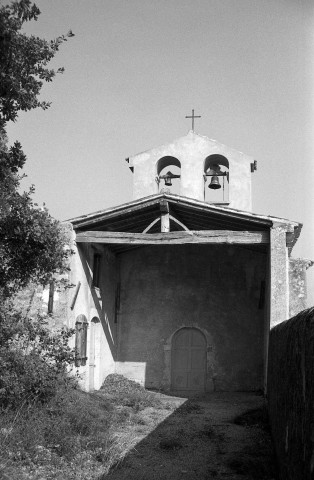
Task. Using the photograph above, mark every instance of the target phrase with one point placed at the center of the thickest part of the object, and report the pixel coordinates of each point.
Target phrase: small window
(80, 340)
(96, 270)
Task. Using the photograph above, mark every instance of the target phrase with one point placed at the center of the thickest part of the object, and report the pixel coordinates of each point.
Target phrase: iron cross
(193, 116)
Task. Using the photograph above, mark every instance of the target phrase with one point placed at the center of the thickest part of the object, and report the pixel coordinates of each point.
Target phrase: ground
(217, 436)
(125, 432)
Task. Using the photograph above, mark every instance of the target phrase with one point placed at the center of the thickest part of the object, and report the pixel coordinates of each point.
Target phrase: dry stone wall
(33, 300)
(297, 284)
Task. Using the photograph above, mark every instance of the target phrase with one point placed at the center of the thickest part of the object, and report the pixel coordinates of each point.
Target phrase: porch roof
(185, 213)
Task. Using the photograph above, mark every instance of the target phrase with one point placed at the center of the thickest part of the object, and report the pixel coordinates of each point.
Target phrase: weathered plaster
(279, 287)
(213, 288)
(98, 305)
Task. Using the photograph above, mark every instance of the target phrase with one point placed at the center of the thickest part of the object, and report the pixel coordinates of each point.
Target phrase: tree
(23, 61)
(32, 243)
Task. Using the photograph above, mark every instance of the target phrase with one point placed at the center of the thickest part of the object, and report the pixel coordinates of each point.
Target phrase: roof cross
(193, 116)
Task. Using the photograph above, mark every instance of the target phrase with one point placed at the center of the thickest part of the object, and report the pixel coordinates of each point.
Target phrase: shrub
(33, 359)
(71, 427)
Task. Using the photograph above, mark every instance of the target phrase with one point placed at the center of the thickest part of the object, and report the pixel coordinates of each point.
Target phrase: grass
(82, 436)
(73, 435)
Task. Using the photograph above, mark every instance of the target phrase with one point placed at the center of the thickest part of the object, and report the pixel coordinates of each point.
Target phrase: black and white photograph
(156, 240)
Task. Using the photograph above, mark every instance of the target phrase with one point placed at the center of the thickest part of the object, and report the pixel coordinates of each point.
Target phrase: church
(178, 289)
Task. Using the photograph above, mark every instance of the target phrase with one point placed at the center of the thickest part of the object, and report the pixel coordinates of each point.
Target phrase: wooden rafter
(179, 223)
(151, 225)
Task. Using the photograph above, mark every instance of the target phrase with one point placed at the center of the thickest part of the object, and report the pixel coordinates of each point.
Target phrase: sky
(136, 68)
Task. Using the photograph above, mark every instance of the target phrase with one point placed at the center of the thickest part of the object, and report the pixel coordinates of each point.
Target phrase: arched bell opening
(168, 174)
(216, 179)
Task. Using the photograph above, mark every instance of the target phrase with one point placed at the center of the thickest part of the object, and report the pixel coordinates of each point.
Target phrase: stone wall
(297, 284)
(33, 299)
(291, 395)
(216, 289)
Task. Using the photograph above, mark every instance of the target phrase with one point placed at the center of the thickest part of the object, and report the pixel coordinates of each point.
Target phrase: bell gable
(197, 167)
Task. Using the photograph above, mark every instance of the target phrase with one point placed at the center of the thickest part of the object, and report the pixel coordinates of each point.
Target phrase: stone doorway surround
(210, 358)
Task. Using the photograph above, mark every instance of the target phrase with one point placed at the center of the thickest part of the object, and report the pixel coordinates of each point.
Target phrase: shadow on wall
(96, 297)
(214, 294)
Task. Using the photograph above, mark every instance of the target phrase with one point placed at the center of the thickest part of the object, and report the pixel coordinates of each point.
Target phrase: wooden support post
(165, 222)
(164, 216)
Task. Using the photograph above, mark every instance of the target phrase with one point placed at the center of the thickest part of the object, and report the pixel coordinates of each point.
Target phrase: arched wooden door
(188, 360)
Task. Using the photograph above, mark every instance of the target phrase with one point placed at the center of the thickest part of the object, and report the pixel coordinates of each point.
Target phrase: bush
(33, 359)
(70, 433)
(73, 435)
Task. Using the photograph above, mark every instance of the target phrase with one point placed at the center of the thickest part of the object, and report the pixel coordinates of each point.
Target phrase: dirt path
(197, 439)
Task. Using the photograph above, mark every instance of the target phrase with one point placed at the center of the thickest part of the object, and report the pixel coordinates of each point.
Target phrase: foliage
(59, 439)
(32, 243)
(74, 435)
(23, 61)
(33, 359)
(34, 386)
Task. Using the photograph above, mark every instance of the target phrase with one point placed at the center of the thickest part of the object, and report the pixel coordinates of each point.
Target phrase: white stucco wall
(95, 304)
(192, 150)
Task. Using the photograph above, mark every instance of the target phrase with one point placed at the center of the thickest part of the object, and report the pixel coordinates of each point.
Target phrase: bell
(214, 183)
(169, 175)
(168, 181)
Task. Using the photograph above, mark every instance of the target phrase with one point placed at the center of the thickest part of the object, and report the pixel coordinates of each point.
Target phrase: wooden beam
(196, 236)
(115, 212)
(78, 286)
(175, 220)
(151, 225)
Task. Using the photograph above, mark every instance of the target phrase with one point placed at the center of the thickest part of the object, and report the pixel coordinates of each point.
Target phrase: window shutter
(50, 299)
(81, 325)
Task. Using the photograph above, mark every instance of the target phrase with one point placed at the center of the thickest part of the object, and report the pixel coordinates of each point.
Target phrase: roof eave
(263, 220)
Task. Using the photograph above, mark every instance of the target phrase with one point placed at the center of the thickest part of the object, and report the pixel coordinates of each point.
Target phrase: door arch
(188, 360)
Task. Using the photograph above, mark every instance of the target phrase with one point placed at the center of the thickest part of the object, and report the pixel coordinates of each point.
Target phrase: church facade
(179, 288)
